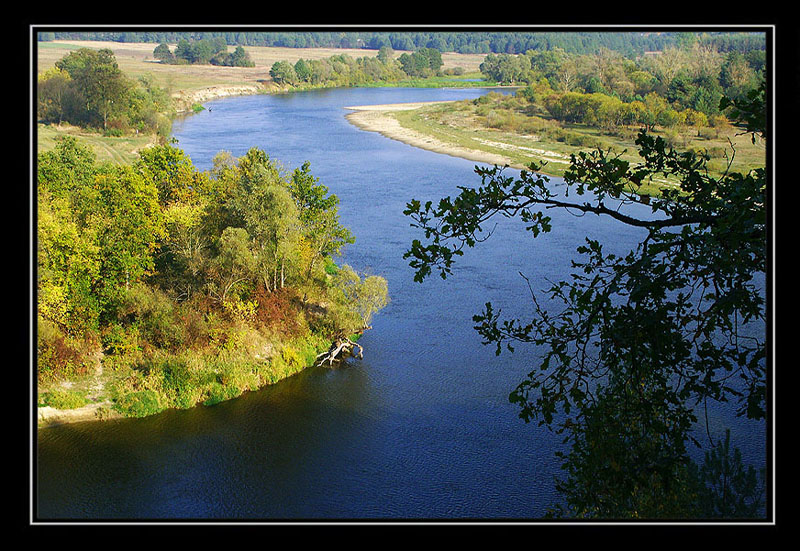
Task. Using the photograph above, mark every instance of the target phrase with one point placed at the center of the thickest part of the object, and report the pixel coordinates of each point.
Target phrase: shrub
(57, 356)
(276, 311)
(64, 399)
(495, 119)
(218, 392)
(708, 133)
(151, 310)
(330, 266)
(175, 383)
(139, 404)
(120, 341)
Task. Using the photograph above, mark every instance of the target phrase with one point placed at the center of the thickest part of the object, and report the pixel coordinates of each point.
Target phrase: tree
(282, 72)
(642, 341)
(125, 213)
(302, 70)
(56, 95)
(356, 300)
(262, 204)
(163, 53)
(233, 266)
(240, 58)
(319, 217)
(424, 62)
(385, 54)
(97, 75)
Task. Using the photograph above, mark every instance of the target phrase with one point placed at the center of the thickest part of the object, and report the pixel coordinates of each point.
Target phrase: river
(421, 428)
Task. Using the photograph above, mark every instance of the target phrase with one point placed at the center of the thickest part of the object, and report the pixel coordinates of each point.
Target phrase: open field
(191, 84)
(453, 128)
(122, 150)
(136, 59)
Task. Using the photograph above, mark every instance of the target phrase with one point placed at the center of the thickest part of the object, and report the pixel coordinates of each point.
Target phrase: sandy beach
(377, 118)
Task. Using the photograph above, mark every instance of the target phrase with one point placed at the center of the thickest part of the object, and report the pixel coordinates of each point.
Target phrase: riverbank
(178, 381)
(185, 99)
(379, 118)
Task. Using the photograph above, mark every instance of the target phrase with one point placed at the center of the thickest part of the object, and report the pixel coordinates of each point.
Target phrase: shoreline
(100, 411)
(184, 99)
(377, 118)
(48, 416)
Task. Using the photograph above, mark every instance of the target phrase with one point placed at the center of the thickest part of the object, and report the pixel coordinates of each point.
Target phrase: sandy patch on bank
(95, 411)
(49, 416)
(185, 99)
(377, 118)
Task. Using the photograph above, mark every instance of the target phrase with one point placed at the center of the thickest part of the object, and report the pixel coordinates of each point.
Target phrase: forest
(693, 77)
(468, 42)
(192, 286)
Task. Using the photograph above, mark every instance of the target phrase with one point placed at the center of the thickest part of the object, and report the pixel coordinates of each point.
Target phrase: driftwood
(341, 347)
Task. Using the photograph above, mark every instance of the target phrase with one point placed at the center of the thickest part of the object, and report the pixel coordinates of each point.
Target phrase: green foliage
(424, 62)
(219, 393)
(64, 399)
(356, 300)
(205, 51)
(749, 110)
(282, 72)
(632, 344)
(471, 41)
(141, 403)
(506, 68)
(163, 53)
(191, 282)
(153, 314)
(87, 88)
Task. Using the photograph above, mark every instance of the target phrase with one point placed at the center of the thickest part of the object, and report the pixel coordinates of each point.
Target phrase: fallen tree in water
(340, 348)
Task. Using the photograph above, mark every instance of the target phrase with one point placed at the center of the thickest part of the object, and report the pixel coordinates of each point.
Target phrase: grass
(121, 150)
(523, 138)
(63, 399)
(136, 59)
(184, 380)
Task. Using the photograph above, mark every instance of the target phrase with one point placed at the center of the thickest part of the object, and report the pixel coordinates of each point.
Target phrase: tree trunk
(337, 348)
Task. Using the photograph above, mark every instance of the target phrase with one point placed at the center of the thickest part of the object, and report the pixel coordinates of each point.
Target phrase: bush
(240, 375)
(151, 310)
(495, 119)
(176, 384)
(57, 356)
(120, 341)
(64, 399)
(219, 393)
(330, 266)
(139, 404)
(276, 311)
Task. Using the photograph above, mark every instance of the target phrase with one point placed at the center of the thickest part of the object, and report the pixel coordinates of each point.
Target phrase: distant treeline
(344, 70)
(467, 42)
(213, 51)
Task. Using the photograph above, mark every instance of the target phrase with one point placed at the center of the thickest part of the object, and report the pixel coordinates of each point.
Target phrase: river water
(421, 428)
